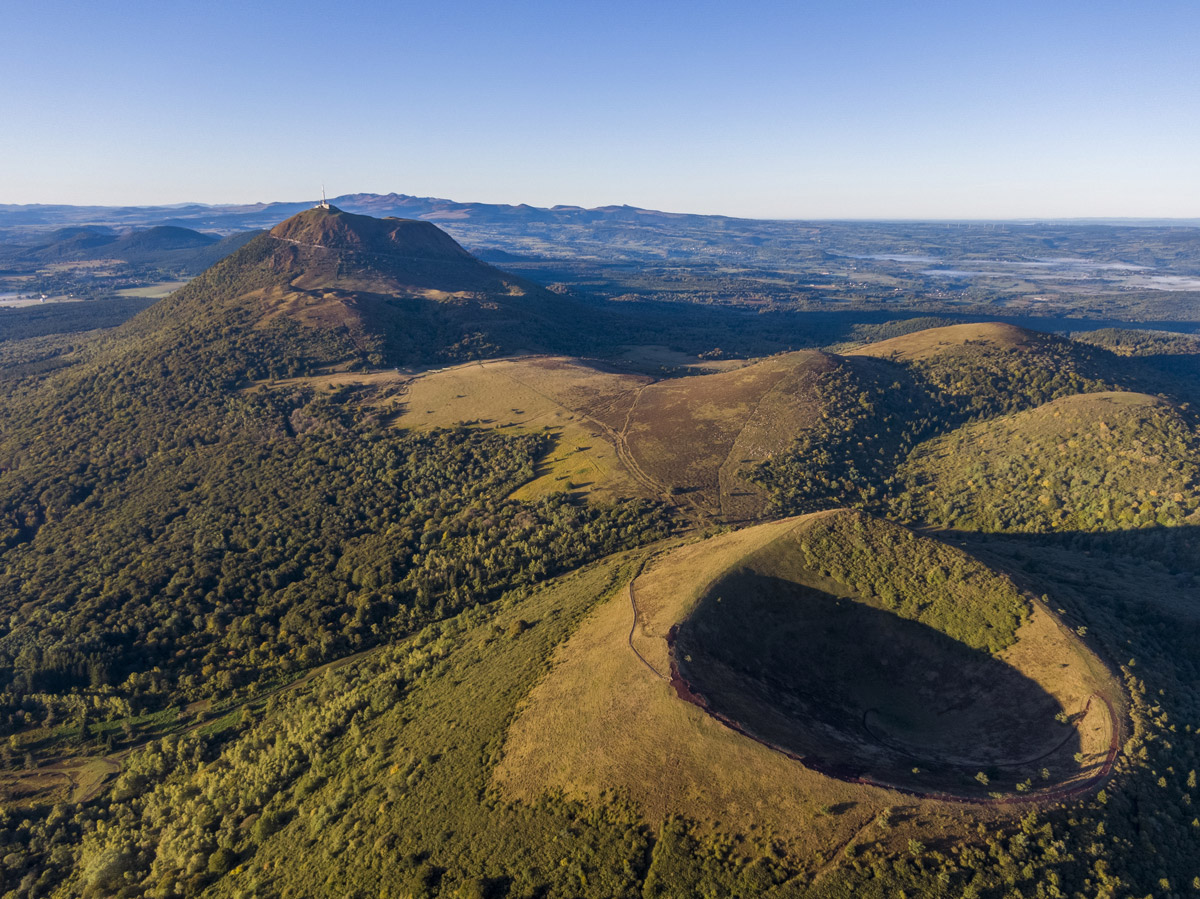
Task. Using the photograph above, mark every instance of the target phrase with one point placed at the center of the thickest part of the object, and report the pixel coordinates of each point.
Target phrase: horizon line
(882, 219)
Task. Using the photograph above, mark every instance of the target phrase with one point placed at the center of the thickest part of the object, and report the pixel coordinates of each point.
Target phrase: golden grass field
(532, 394)
(932, 341)
(620, 434)
(601, 721)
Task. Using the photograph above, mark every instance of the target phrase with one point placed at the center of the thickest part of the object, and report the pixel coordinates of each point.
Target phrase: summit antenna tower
(324, 204)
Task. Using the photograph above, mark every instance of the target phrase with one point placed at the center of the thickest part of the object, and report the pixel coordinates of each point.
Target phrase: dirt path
(841, 850)
(620, 440)
(616, 438)
(633, 627)
(728, 470)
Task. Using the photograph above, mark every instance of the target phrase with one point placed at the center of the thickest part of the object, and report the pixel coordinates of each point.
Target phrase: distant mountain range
(631, 234)
(247, 216)
(1118, 271)
(264, 215)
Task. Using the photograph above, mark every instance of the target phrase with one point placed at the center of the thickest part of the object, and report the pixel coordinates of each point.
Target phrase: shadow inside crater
(857, 691)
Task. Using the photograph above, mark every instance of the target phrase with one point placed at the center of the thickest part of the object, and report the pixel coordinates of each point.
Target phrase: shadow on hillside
(1129, 593)
(1175, 548)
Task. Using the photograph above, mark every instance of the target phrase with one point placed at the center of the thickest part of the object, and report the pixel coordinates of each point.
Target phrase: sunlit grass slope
(1102, 461)
(539, 394)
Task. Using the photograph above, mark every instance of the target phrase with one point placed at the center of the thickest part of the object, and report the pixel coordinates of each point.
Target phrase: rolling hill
(747, 685)
(1101, 461)
(99, 243)
(689, 440)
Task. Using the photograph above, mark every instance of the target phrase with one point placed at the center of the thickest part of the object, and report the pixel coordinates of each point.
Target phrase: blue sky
(786, 110)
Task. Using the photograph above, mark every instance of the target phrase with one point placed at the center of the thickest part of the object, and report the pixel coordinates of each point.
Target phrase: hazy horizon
(1016, 220)
(861, 111)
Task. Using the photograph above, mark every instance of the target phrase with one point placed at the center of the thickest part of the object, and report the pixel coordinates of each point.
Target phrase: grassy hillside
(689, 439)
(605, 720)
(166, 537)
(695, 435)
(372, 778)
(553, 396)
(1104, 461)
(807, 634)
(883, 400)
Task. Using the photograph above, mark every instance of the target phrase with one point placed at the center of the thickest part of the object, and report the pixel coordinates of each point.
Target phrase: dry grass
(527, 394)
(91, 776)
(70, 780)
(929, 701)
(317, 309)
(1049, 655)
(334, 379)
(697, 434)
(623, 435)
(617, 434)
(40, 785)
(930, 342)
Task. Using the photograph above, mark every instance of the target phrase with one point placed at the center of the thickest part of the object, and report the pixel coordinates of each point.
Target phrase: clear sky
(845, 108)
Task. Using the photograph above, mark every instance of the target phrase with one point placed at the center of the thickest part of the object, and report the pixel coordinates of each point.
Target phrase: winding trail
(616, 438)
(837, 853)
(619, 439)
(633, 627)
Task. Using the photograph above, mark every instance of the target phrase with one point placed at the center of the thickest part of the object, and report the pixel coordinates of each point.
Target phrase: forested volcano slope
(885, 400)
(1102, 461)
(326, 287)
(167, 537)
